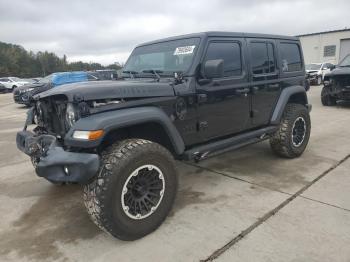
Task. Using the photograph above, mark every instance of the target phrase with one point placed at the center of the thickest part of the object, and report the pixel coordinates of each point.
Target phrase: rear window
(290, 57)
(263, 59)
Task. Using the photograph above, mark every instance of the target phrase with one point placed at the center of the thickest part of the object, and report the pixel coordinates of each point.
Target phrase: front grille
(52, 116)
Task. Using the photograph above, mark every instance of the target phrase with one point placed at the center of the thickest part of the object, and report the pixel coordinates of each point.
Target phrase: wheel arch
(149, 123)
(293, 94)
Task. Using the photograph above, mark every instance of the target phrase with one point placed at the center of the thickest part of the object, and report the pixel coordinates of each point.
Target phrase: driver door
(223, 103)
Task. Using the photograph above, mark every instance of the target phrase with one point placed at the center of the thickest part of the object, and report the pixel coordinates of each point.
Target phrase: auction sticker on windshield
(184, 50)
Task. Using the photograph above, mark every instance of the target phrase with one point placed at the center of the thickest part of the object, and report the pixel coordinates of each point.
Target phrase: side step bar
(218, 147)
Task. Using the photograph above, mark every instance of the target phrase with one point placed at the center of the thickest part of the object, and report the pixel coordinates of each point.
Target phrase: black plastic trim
(113, 120)
(283, 100)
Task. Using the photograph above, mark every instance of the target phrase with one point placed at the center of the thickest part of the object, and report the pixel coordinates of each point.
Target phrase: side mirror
(331, 67)
(214, 68)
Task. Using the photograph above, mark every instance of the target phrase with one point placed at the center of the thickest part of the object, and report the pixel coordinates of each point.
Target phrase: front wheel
(326, 98)
(134, 189)
(292, 136)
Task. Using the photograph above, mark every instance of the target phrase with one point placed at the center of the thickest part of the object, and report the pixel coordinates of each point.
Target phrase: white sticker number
(184, 50)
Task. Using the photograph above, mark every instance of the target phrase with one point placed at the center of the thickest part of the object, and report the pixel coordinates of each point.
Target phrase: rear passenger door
(265, 85)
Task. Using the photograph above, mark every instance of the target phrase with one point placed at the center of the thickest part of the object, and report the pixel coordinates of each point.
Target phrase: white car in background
(11, 83)
(316, 71)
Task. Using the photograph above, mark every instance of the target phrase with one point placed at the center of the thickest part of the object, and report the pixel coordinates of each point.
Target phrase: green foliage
(16, 61)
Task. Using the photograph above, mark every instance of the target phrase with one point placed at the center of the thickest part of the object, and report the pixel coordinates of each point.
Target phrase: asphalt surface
(246, 205)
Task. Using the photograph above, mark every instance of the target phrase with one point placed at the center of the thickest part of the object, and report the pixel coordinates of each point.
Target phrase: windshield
(46, 79)
(164, 58)
(16, 79)
(345, 61)
(313, 67)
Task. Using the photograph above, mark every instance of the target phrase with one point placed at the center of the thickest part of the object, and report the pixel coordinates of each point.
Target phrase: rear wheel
(134, 190)
(291, 139)
(326, 98)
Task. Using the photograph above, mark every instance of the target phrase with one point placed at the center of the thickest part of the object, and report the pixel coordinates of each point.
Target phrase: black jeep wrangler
(337, 84)
(185, 98)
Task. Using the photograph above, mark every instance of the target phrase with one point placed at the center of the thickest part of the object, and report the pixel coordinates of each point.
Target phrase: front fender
(113, 120)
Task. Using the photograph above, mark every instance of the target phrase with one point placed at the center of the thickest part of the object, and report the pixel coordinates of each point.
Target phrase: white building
(330, 46)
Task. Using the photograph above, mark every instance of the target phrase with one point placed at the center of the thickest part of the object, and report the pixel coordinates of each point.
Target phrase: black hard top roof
(222, 34)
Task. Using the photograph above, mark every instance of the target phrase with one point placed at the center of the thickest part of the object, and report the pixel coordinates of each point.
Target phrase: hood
(339, 71)
(28, 86)
(95, 90)
(311, 71)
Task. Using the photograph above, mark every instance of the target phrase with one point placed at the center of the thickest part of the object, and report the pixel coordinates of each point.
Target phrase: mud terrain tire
(104, 197)
(292, 136)
(326, 98)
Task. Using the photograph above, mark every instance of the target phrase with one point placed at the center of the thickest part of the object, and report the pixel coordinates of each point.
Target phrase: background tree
(16, 61)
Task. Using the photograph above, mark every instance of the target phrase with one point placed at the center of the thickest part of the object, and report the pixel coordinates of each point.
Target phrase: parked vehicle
(337, 84)
(23, 94)
(12, 82)
(186, 98)
(3, 88)
(105, 74)
(315, 72)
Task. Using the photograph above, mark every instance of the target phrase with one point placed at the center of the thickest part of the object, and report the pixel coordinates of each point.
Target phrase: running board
(218, 147)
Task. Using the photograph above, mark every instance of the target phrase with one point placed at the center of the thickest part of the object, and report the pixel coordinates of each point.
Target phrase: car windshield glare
(313, 67)
(164, 57)
(345, 61)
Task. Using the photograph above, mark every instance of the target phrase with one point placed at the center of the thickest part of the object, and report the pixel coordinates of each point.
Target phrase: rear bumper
(56, 164)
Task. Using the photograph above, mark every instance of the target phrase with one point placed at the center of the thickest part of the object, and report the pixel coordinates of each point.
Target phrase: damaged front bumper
(55, 164)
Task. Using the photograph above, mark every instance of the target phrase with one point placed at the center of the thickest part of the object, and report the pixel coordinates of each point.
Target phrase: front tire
(326, 98)
(134, 189)
(291, 139)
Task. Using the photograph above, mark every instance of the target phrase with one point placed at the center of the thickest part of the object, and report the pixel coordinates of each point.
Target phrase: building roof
(326, 32)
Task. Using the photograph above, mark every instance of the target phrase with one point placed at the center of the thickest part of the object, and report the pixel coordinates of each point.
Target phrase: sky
(106, 31)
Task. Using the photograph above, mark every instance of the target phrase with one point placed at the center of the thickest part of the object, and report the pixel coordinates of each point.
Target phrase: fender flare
(283, 100)
(112, 120)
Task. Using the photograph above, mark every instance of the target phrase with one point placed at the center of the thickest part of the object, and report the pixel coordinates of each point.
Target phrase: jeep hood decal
(95, 90)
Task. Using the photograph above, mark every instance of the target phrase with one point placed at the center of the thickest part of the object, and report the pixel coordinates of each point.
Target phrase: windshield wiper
(131, 73)
(154, 72)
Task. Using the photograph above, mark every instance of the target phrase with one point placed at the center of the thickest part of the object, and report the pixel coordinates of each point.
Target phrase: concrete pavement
(247, 205)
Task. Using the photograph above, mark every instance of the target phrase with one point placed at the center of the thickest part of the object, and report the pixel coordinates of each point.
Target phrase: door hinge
(253, 113)
(202, 125)
(202, 98)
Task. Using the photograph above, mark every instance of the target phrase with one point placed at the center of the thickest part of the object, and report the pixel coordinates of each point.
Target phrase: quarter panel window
(230, 52)
(290, 57)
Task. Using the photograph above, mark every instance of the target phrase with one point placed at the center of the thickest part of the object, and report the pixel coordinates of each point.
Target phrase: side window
(230, 52)
(263, 58)
(290, 57)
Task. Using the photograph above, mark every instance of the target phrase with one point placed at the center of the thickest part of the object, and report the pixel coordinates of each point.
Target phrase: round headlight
(70, 115)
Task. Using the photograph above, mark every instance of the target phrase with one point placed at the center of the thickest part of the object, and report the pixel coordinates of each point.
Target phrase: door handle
(243, 91)
(273, 85)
